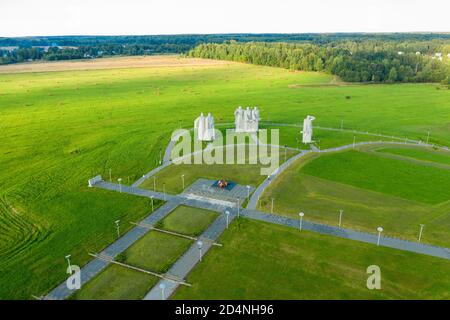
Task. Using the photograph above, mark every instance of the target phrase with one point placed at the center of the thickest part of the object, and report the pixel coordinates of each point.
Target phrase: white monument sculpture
(307, 129)
(246, 120)
(205, 127)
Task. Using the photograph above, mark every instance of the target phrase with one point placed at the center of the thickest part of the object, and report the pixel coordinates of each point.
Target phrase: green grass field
(420, 154)
(59, 129)
(265, 261)
(372, 190)
(155, 251)
(116, 283)
(188, 220)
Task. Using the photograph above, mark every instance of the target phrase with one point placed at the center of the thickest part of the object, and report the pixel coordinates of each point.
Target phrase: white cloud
(108, 17)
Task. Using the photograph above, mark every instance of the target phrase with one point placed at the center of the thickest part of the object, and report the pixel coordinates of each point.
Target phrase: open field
(266, 261)
(109, 63)
(188, 220)
(372, 190)
(60, 128)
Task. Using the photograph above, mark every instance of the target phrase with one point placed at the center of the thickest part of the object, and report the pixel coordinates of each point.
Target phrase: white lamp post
(420, 232)
(182, 179)
(354, 141)
(380, 230)
(153, 208)
(68, 262)
(227, 214)
(164, 191)
(248, 191)
(340, 217)
(120, 184)
(200, 245)
(301, 214)
(162, 286)
(271, 207)
(238, 206)
(117, 227)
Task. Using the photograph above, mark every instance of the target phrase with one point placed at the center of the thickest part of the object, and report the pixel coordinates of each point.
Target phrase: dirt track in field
(110, 63)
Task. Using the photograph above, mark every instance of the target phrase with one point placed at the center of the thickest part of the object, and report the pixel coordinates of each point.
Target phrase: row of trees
(352, 61)
(57, 53)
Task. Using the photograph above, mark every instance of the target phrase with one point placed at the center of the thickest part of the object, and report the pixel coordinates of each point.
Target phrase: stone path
(190, 258)
(348, 234)
(95, 266)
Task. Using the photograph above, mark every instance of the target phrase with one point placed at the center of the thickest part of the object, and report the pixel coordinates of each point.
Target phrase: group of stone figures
(246, 121)
(204, 126)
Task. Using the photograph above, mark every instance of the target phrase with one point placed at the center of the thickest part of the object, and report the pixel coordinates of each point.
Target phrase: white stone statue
(204, 126)
(308, 129)
(239, 119)
(246, 120)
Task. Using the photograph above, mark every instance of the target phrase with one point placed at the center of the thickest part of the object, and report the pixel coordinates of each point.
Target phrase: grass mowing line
(159, 275)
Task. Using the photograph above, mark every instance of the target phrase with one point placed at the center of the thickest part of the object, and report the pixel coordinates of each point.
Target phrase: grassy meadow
(266, 261)
(372, 189)
(60, 128)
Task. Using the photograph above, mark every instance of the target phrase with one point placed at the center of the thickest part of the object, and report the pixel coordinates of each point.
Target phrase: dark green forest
(355, 57)
(352, 61)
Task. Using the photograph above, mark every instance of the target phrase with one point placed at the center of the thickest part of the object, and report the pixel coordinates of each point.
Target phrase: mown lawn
(116, 283)
(365, 204)
(266, 261)
(188, 220)
(419, 154)
(156, 251)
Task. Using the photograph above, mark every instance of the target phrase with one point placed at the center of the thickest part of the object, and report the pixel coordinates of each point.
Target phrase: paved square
(205, 188)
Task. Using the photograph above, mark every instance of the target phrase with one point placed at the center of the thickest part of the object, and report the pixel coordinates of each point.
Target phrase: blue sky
(116, 17)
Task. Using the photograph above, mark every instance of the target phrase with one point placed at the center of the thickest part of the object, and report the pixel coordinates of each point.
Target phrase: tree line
(352, 61)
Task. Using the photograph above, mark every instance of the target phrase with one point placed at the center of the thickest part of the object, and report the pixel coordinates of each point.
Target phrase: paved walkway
(95, 266)
(349, 234)
(189, 259)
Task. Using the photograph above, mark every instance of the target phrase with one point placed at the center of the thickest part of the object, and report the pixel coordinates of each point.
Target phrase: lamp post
(200, 245)
(239, 206)
(380, 230)
(420, 232)
(428, 136)
(340, 217)
(120, 184)
(271, 207)
(248, 191)
(164, 191)
(227, 214)
(162, 286)
(154, 184)
(153, 208)
(354, 141)
(182, 179)
(285, 152)
(68, 262)
(301, 214)
(117, 228)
